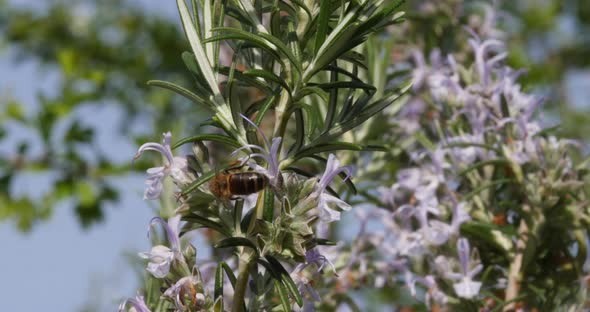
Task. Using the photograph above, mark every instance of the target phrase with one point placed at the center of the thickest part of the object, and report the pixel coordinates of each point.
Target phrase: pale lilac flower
(423, 186)
(176, 167)
(410, 279)
(408, 119)
(520, 152)
(424, 74)
(440, 86)
(431, 170)
(442, 81)
(422, 183)
(308, 293)
(488, 25)
(433, 292)
(313, 256)
(465, 286)
(161, 257)
(409, 179)
(408, 242)
(466, 155)
(421, 70)
(269, 153)
(325, 200)
(476, 113)
(427, 205)
(411, 244)
(483, 65)
(304, 284)
(523, 105)
(137, 305)
(386, 196)
(438, 232)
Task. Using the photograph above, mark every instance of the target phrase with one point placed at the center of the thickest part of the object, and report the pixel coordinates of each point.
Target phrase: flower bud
(190, 253)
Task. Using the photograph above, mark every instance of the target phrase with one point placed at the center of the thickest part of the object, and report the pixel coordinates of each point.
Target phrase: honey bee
(229, 184)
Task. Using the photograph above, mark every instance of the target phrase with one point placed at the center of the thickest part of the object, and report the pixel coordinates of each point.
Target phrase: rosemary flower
(465, 286)
(161, 257)
(313, 256)
(269, 153)
(137, 305)
(327, 203)
(176, 167)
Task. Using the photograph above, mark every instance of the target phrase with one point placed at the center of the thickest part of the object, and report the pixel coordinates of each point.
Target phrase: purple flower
(308, 293)
(522, 106)
(476, 113)
(483, 65)
(423, 185)
(520, 152)
(409, 179)
(487, 26)
(410, 243)
(161, 257)
(387, 195)
(270, 155)
(441, 79)
(421, 70)
(465, 286)
(137, 304)
(176, 167)
(325, 200)
(408, 119)
(407, 242)
(304, 284)
(426, 178)
(438, 233)
(423, 73)
(428, 281)
(313, 256)
(466, 155)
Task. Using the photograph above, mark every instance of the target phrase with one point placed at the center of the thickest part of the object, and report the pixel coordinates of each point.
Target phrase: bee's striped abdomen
(245, 183)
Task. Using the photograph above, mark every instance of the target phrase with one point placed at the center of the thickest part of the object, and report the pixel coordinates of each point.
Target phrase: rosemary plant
(283, 82)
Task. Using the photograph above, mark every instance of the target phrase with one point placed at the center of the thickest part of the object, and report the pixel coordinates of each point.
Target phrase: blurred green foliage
(105, 51)
(103, 56)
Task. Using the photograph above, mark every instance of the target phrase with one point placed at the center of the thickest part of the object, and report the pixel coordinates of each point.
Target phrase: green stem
(282, 109)
(526, 247)
(515, 269)
(238, 208)
(268, 203)
(246, 261)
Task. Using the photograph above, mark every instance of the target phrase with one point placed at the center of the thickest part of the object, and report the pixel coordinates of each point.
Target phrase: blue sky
(59, 266)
